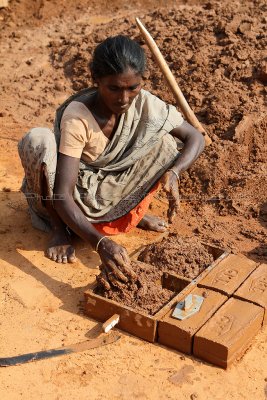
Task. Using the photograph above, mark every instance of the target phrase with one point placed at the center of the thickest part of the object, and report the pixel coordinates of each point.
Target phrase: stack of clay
(233, 311)
(183, 256)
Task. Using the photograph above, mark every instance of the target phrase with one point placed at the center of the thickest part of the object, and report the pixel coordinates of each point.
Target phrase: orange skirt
(131, 220)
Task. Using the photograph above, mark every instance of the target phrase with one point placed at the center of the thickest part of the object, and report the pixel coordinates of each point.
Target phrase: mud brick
(254, 289)
(227, 335)
(179, 334)
(229, 274)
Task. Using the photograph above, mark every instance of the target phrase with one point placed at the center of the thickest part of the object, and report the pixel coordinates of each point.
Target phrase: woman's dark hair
(115, 55)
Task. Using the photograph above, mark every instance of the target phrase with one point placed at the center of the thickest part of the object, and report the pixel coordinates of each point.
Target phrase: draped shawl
(139, 153)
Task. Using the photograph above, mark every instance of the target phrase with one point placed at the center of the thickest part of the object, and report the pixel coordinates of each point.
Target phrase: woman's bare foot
(59, 248)
(152, 223)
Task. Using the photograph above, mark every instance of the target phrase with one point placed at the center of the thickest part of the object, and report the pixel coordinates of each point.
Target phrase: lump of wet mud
(183, 256)
(145, 294)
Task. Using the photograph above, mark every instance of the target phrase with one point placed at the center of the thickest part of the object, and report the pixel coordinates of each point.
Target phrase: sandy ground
(40, 301)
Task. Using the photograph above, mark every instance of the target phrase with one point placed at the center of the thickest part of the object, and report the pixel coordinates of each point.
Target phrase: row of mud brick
(233, 312)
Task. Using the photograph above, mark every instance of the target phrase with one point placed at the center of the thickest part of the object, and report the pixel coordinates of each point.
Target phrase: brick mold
(137, 322)
(223, 328)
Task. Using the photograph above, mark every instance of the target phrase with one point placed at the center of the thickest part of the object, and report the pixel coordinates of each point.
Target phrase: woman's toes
(62, 254)
(160, 228)
(71, 255)
(163, 223)
(158, 225)
(48, 254)
(72, 258)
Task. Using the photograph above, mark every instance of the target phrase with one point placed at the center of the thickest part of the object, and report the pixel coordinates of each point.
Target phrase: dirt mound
(146, 294)
(183, 256)
(217, 55)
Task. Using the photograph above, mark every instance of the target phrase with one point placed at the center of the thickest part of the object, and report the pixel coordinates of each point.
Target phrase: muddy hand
(170, 186)
(107, 279)
(116, 262)
(102, 279)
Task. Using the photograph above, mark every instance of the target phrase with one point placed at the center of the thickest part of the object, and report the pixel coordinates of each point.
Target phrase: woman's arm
(113, 256)
(194, 144)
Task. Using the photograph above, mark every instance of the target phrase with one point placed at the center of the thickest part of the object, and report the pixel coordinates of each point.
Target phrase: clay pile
(146, 294)
(216, 53)
(182, 256)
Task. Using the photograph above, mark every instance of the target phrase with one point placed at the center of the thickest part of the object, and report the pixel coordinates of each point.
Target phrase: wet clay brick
(179, 334)
(229, 274)
(254, 289)
(227, 335)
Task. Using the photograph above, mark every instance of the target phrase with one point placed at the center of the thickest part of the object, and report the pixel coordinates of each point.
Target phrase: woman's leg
(38, 153)
(59, 247)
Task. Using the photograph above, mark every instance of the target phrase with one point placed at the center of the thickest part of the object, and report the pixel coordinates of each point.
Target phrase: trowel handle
(110, 323)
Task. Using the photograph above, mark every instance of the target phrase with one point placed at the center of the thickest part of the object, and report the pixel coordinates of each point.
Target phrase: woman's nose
(124, 98)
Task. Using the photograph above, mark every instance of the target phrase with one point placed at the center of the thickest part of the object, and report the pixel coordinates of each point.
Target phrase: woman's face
(117, 92)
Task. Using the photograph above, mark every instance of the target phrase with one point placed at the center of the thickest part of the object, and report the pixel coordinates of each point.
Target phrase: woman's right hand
(116, 264)
(170, 186)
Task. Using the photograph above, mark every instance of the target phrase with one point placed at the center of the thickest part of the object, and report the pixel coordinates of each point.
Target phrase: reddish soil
(145, 294)
(217, 51)
(183, 256)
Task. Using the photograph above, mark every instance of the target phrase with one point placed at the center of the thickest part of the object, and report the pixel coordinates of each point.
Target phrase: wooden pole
(179, 97)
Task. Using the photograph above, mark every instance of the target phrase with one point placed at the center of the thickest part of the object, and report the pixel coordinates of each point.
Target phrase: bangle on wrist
(175, 173)
(98, 243)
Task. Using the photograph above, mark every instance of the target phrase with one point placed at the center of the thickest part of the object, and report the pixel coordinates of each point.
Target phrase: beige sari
(139, 153)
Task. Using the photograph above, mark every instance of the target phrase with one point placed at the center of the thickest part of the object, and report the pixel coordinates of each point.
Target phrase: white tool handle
(110, 323)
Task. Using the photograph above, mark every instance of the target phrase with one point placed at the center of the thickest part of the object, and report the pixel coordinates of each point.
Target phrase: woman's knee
(36, 138)
(37, 134)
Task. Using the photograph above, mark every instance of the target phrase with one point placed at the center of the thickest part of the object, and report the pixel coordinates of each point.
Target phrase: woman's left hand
(170, 185)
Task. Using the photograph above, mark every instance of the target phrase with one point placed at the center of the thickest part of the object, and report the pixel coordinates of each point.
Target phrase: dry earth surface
(217, 51)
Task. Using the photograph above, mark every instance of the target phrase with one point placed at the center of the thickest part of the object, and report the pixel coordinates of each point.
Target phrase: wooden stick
(179, 97)
(110, 323)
